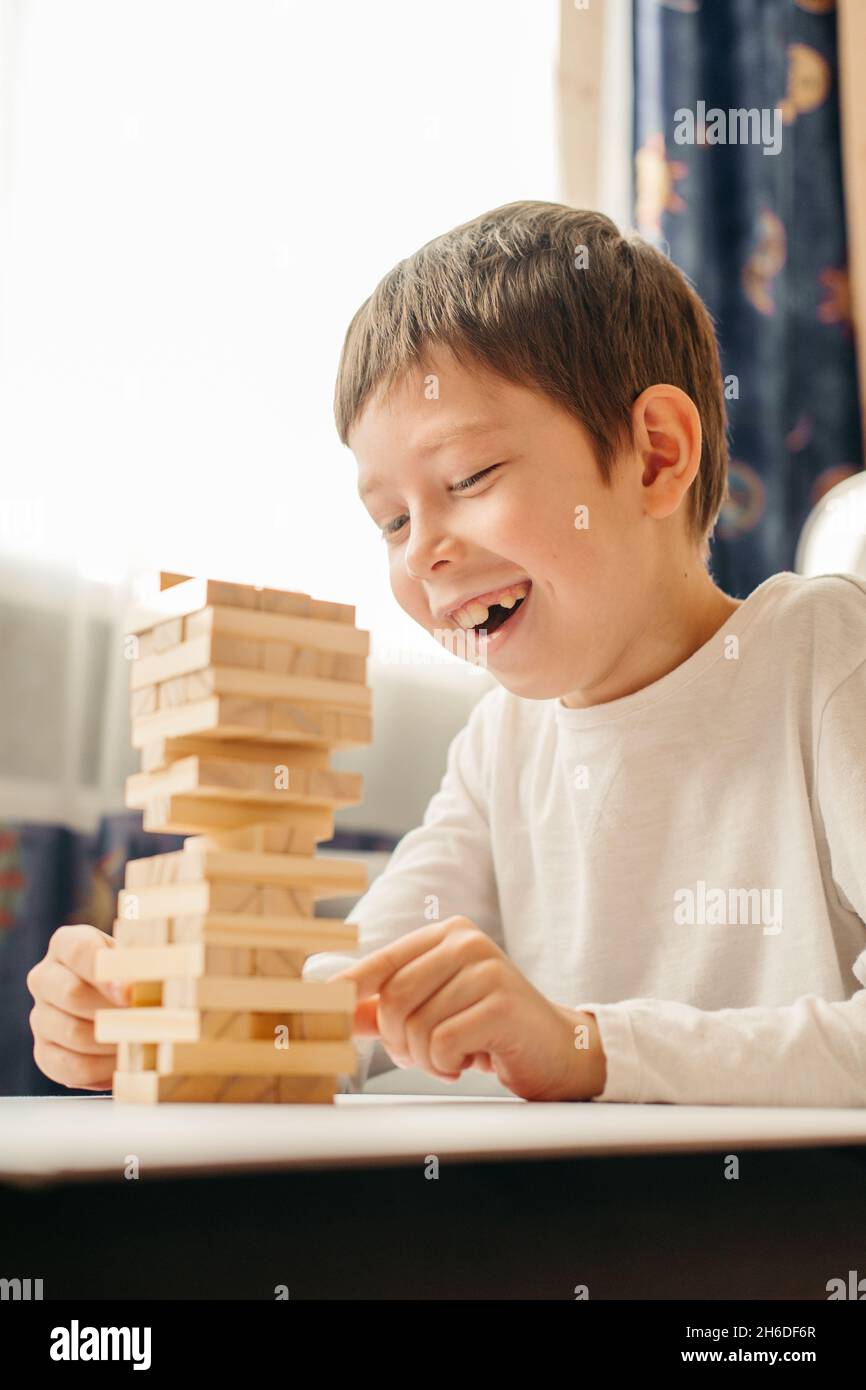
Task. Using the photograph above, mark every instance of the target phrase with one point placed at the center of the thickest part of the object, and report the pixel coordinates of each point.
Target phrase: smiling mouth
(498, 616)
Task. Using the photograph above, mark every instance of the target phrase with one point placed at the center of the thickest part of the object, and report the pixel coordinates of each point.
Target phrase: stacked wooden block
(238, 696)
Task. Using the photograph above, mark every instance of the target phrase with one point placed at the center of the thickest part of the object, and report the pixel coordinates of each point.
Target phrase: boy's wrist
(586, 1074)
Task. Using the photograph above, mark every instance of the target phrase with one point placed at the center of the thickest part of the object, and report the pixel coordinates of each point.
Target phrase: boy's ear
(667, 439)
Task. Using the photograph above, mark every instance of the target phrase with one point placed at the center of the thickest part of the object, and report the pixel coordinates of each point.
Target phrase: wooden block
(269, 720)
(246, 1026)
(167, 578)
(143, 701)
(241, 654)
(163, 752)
(171, 693)
(265, 685)
(323, 634)
(339, 728)
(285, 964)
(284, 902)
(136, 1056)
(331, 1027)
(145, 1025)
(174, 867)
(258, 839)
(306, 1090)
(177, 661)
(141, 933)
(228, 779)
(150, 1088)
(187, 596)
(322, 876)
(263, 994)
(226, 1025)
(283, 601)
(206, 895)
(218, 960)
(150, 962)
(255, 1058)
(145, 994)
(332, 612)
(196, 815)
(158, 639)
(302, 934)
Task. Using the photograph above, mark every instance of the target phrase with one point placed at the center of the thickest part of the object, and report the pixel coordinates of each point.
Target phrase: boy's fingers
(75, 1034)
(78, 1070)
(77, 948)
(366, 1023)
(374, 971)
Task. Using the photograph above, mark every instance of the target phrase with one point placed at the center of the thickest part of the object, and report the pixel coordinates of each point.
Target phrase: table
(397, 1196)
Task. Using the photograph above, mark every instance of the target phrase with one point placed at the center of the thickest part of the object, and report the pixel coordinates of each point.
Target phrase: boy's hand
(446, 998)
(66, 997)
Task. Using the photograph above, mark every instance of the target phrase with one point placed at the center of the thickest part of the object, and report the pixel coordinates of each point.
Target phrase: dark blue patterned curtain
(762, 238)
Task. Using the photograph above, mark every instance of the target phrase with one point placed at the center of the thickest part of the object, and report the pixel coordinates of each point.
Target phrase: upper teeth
(475, 612)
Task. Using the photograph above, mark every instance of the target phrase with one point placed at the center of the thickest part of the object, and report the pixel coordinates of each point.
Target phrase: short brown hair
(504, 290)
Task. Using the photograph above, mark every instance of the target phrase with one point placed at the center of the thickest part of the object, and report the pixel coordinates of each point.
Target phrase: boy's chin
(529, 685)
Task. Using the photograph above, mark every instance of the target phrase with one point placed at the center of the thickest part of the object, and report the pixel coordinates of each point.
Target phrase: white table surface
(59, 1138)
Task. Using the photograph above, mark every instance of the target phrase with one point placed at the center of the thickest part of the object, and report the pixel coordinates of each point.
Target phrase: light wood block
(255, 1058)
(151, 1088)
(160, 638)
(145, 993)
(145, 1025)
(322, 877)
(136, 1056)
(322, 634)
(163, 752)
(266, 659)
(307, 934)
(150, 962)
(170, 694)
(280, 963)
(134, 932)
(332, 612)
(143, 701)
(268, 685)
(268, 720)
(261, 994)
(217, 960)
(189, 595)
(158, 1025)
(258, 839)
(228, 779)
(170, 899)
(195, 815)
(205, 895)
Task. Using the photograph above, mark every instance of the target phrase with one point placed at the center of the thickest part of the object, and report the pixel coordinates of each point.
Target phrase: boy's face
(592, 588)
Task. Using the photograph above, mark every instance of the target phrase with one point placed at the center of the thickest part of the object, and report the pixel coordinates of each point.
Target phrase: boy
(643, 877)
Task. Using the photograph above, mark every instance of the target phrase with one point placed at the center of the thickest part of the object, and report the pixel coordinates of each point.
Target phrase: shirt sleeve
(442, 868)
(811, 1052)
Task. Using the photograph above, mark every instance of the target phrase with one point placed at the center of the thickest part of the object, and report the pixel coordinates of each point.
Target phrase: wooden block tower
(238, 695)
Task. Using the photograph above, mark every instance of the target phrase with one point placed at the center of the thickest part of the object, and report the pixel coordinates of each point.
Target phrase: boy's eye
(476, 477)
(392, 527)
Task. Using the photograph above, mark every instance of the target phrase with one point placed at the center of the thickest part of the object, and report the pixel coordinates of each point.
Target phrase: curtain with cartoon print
(739, 179)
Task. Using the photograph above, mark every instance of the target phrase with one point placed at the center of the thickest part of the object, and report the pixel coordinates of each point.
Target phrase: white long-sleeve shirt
(687, 862)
